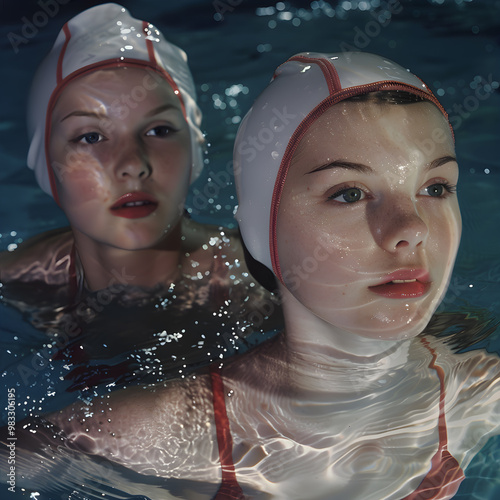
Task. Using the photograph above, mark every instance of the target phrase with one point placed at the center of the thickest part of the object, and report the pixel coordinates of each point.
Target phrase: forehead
(367, 131)
(134, 85)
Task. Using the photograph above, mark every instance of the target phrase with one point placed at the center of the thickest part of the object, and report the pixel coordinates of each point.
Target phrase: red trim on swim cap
(62, 53)
(301, 130)
(152, 58)
(48, 114)
(328, 69)
(149, 43)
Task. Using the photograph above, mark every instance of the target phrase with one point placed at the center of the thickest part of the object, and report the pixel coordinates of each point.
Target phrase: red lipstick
(403, 284)
(134, 205)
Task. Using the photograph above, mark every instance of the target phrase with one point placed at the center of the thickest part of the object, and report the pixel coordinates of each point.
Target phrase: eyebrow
(440, 161)
(84, 113)
(365, 169)
(94, 114)
(347, 165)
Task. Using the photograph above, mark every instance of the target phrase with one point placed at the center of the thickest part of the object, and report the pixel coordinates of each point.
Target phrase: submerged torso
(368, 435)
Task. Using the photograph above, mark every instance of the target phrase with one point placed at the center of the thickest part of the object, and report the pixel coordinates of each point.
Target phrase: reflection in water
(369, 430)
(135, 336)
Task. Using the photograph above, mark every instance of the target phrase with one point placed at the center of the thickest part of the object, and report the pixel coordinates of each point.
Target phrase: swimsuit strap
(229, 489)
(445, 476)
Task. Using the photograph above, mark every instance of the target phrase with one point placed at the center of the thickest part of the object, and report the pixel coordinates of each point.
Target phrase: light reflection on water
(229, 76)
(349, 430)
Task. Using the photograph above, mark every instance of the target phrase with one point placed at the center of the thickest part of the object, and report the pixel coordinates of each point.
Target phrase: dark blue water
(233, 47)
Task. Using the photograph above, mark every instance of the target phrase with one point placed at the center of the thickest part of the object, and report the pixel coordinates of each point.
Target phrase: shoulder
(466, 371)
(45, 257)
(171, 423)
(472, 397)
(143, 406)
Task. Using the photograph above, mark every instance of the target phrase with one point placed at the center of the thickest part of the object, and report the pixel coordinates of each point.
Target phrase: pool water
(233, 46)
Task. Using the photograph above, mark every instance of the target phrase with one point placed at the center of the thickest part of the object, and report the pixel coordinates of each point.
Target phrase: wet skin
(311, 413)
(102, 148)
(369, 199)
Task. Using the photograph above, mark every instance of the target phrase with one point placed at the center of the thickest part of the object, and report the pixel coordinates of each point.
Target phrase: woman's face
(120, 151)
(369, 223)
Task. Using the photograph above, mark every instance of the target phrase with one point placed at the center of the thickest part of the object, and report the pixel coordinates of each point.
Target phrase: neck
(318, 351)
(104, 266)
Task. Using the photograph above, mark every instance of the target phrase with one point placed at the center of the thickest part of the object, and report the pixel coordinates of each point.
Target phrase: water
(452, 45)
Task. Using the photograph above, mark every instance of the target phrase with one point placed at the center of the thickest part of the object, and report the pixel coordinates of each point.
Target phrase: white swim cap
(301, 89)
(105, 36)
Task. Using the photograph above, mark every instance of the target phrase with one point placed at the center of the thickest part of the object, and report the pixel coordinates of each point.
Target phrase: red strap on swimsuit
(229, 489)
(440, 483)
(445, 476)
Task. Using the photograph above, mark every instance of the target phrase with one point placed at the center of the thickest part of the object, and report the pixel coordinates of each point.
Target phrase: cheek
(172, 170)
(446, 230)
(83, 181)
(312, 254)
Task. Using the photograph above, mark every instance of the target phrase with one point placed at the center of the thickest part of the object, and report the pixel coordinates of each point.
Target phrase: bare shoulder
(472, 384)
(44, 257)
(472, 398)
(172, 422)
(116, 419)
(466, 368)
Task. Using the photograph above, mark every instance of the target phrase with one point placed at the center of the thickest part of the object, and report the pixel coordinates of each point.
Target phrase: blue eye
(348, 195)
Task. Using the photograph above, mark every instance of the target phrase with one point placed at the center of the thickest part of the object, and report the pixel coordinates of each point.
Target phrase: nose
(132, 163)
(399, 228)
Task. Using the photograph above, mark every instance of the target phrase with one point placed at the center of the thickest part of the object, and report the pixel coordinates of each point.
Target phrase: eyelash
(167, 129)
(448, 187)
(78, 139)
(345, 188)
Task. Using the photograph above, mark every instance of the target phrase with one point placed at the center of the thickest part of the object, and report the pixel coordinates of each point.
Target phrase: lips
(134, 205)
(403, 284)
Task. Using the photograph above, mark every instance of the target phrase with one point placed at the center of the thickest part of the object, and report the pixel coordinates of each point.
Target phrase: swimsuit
(442, 481)
(445, 476)
(229, 488)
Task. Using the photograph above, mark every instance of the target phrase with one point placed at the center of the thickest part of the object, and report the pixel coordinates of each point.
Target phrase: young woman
(115, 139)
(346, 177)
